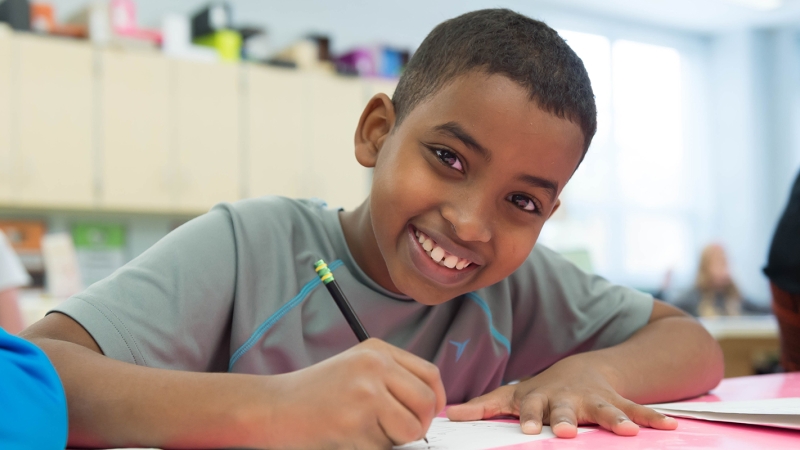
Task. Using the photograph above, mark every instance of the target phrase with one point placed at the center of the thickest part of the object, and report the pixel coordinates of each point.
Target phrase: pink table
(699, 434)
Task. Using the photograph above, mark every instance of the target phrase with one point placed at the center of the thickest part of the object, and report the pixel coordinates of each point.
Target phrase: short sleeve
(171, 306)
(12, 273)
(34, 407)
(560, 310)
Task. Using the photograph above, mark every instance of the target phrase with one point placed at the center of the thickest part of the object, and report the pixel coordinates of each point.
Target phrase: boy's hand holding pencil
(371, 396)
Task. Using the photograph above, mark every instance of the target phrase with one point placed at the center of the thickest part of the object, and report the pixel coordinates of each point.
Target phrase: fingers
(612, 418)
(562, 419)
(647, 417)
(399, 424)
(424, 370)
(413, 394)
(499, 402)
(531, 412)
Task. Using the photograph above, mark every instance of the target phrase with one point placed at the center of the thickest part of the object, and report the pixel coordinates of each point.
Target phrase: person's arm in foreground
(670, 358)
(370, 396)
(10, 315)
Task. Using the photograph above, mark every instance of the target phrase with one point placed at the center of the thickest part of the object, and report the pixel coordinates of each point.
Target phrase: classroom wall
(750, 147)
(753, 85)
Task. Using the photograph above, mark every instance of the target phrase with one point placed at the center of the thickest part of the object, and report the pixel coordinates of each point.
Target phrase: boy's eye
(449, 158)
(523, 202)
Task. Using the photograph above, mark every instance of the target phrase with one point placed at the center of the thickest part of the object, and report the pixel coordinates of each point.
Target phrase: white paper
(776, 412)
(479, 435)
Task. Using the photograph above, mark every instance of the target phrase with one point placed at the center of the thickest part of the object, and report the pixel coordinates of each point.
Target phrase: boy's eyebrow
(453, 129)
(550, 186)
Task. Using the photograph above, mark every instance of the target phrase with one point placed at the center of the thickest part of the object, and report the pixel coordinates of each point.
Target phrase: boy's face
(476, 169)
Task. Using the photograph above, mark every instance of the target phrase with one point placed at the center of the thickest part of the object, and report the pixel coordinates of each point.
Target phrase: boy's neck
(360, 238)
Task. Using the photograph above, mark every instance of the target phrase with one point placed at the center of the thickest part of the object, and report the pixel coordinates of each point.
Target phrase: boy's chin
(420, 292)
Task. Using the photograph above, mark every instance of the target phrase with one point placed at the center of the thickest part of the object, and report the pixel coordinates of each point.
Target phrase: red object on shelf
(43, 20)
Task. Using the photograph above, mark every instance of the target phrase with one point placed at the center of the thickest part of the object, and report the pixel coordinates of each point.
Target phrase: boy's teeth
(439, 254)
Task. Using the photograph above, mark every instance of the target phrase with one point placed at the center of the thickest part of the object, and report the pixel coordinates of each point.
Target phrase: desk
(745, 341)
(699, 434)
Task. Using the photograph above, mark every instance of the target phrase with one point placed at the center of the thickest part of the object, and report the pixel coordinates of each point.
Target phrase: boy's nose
(470, 218)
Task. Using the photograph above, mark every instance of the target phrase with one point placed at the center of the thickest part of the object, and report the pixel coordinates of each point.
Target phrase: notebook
(776, 412)
(479, 435)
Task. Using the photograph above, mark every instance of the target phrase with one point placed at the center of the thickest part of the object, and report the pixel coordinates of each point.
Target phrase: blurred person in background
(783, 271)
(714, 292)
(12, 277)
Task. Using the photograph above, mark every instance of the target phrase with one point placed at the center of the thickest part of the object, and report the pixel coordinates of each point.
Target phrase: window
(628, 204)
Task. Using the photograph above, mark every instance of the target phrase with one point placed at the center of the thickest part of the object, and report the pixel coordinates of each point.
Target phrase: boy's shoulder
(276, 216)
(276, 207)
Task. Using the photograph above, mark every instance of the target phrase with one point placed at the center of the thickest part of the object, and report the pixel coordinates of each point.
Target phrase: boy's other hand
(564, 396)
(373, 395)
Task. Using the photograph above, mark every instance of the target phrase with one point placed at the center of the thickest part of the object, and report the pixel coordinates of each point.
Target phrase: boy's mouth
(440, 255)
(436, 263)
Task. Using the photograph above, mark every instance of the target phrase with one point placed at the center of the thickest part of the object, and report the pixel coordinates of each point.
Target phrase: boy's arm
(672, 357)
(372, 395)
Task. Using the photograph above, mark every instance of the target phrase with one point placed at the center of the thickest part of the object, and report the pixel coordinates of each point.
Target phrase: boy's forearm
(668, 359)
(112, 403)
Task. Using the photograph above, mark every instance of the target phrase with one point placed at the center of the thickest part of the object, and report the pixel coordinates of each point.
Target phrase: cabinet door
(274, 132)
(53, 84)
(334, 105)
(5, 114)
(206, 111)
(136, 169)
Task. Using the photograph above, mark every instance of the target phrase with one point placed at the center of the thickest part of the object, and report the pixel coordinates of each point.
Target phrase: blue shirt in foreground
(33, 407)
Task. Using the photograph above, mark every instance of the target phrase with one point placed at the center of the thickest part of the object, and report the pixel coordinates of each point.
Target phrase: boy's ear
(555, 208)
(374, 127)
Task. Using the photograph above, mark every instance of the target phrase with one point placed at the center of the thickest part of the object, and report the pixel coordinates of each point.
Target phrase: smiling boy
(490, 120)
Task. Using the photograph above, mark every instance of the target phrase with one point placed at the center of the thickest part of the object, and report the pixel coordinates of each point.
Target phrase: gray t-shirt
(235, 290)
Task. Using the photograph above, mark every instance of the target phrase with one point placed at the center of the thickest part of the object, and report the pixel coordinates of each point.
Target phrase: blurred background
(122, 119)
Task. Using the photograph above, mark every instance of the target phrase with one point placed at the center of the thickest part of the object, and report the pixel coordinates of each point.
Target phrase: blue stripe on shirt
(496, 334)
(275, 317)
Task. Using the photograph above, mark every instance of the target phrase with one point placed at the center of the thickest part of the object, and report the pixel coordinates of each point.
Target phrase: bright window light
(647, 122)
(627, 204)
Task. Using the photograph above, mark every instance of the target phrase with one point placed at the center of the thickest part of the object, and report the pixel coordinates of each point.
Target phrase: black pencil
(326, 276)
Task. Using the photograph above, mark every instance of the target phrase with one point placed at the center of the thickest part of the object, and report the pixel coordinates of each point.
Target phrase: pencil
(326, 276)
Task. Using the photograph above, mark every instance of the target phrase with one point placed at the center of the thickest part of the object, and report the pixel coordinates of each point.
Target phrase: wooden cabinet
(53, 136)
(274, 132)
(132, 130)
(205, 112)
(137, 168)
(334, 105)
(5, 114)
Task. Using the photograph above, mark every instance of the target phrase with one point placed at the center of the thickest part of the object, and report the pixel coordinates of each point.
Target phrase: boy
(488, 123)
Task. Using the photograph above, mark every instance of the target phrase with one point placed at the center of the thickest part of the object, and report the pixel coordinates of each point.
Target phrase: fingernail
(529, 426)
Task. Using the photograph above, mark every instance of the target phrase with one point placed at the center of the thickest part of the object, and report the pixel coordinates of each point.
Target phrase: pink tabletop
(700, 434)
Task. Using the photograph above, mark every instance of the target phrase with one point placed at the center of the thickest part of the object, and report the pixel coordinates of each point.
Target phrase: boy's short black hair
(500, 41)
